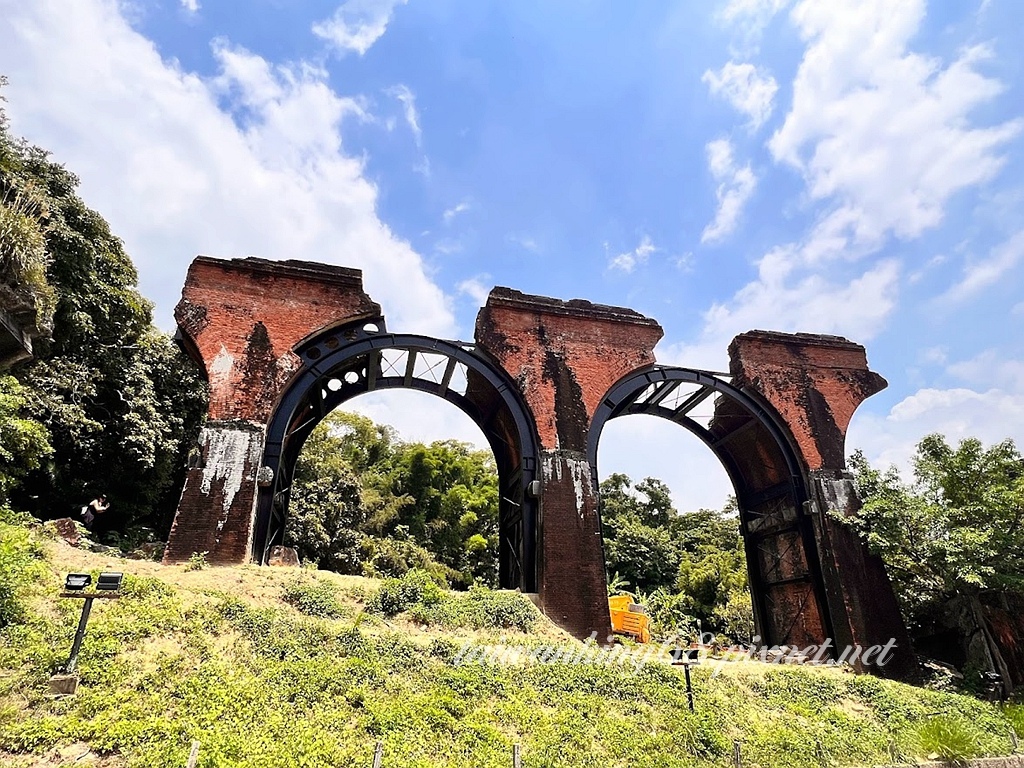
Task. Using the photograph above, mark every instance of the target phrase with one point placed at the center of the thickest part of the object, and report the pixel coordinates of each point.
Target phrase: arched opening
(344, 362)
(787, 589)
(670, 529)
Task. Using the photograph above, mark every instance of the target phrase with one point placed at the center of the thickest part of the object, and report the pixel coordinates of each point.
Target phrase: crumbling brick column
(565, 355)
(241, 319)
(815, 383)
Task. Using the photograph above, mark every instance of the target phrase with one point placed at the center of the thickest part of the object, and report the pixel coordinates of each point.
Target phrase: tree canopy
(956, 529)
(118, 402)
(365, 502)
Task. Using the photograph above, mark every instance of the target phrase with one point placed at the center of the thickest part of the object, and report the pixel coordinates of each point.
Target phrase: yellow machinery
(630, 618)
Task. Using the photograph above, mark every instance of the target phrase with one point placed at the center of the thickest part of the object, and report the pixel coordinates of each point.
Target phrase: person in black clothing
(92, 510)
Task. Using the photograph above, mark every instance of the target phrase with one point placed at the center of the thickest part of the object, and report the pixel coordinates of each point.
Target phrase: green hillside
(286, 667)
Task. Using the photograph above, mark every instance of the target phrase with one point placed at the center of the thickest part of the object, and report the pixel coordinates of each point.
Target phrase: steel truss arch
(346, 361)
(754, 447)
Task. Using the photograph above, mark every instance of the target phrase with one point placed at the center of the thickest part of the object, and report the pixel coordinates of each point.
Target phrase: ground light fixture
(75, 582)
(108, 586)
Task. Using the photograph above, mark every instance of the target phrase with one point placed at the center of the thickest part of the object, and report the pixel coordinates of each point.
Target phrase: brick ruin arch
(355, 358)
(283, 343)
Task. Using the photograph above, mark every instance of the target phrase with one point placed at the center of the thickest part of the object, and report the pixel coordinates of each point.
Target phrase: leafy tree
(24, 443)
(365, 502)
(121, 403)
(955, 530)
(326, 515)
(687, 567)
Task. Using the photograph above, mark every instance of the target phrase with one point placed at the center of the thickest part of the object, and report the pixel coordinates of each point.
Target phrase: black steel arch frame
(645, 391)
(345, 361)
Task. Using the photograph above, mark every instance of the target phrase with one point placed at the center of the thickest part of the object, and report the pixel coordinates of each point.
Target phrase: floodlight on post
(76, 582)
(108, 586)
(110, 582)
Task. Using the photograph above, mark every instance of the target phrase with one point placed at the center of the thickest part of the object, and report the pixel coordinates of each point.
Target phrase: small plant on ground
(480, 608)
(945, 738)
(313, 597)
(1015, 714)
(197, 561)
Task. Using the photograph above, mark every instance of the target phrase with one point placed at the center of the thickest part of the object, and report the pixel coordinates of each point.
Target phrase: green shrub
(480, 608)
(946, 738)
(196, 561)
(20, 566)
(1015, 714)
(313, 597)
(397, 595)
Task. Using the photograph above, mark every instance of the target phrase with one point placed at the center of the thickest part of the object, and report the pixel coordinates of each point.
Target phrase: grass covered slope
(275, 667)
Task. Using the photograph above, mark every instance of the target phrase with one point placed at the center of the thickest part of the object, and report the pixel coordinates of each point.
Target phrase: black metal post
(79, 636)
(689, 685)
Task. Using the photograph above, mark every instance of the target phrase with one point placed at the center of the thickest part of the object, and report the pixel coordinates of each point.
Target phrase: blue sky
(840, 166)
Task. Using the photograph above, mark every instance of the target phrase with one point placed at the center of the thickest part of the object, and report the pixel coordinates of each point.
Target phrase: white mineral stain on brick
(221, 365)
(579, 472)
(229, 452)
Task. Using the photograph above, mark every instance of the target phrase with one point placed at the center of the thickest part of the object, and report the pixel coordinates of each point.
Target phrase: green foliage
(20, 565)
(1015, 714)
(196, 561)
(24, 442)
(265, 686)
(956, 530)
(947, 739)
(118, 398)
(688, 568)
(313, 597)
(400, 594)
(24, 290)
(365, 502)
(326, 514)
(479, 608)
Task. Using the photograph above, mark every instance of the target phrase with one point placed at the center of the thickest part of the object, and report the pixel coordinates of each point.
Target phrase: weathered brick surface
(565, 356)
(243, 317)
(814, 382)
(217, 505)
(240, 319)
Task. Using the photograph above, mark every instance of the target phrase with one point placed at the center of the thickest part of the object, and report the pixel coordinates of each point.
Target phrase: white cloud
(883, 139)
(176, 175)
(989, 405)
(856, 309)
(450, 214)
(991, 415)
(880, 129)
(980, 274)
(476, 288)
(750, 17)
(628, 261)
(357, 24)
(735, 186)
(192, 6)
(412, 117)
(745, 89)
(1018, 309)
(991, 368)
